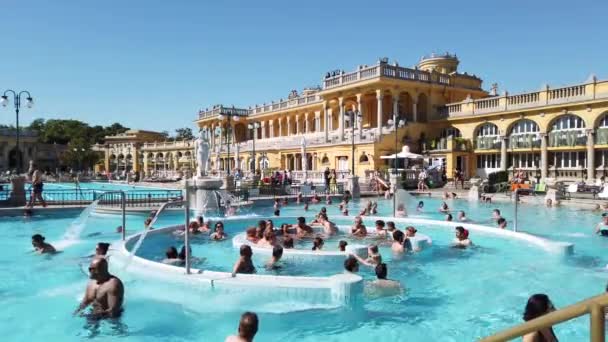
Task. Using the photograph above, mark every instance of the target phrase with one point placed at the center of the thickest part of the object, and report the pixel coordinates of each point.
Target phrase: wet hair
(538, 305)
(374, 248)
(200, 220)
(380, 223)
(342, 245)
(277, 252)
(262, 223)
(268, 235)
(269, 222)
(501, 221)
(390, 225)
(350, 264)
(246, 251)
(496, 211)
(420, 204)
(463, 214)
(251, 231)
(171, 253)
(398, 236)
(301, 219)
(412, 229)
(381, 271)
(248, 326)
(323, 216)
(317, 243)
(277, 212)
(38, 238)
(288, 242)
(323, 209)
(448, 217)
(103, 247)
(182, 253)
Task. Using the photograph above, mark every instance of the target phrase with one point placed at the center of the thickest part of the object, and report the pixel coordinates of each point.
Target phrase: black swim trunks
(604, 232)
(38, 188)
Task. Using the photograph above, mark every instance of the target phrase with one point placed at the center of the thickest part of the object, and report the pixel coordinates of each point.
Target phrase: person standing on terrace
(37, 186)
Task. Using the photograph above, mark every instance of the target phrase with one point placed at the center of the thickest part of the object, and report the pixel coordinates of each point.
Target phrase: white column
(326, 119)
(360, 110)
(503, 153)
(396, 106)
(379, 97)
(544, 156)
(263, 128)
(271, 127)
(306, 125)
(280, 127)
(288, 126)
(341, 118)
(415, 110)
(212, 137)
(590, 155)
(331, 119)
(298, 128)
(317, 121)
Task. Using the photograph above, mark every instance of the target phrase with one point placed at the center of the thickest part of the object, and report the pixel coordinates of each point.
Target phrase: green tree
(184, 134)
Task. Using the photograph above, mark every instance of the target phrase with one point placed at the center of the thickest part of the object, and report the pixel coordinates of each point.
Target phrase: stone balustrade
(168, 145)
(545, 97)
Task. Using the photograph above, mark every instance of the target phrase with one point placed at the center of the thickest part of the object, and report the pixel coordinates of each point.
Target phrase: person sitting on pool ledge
(351, 264)
(502, 223)
(172, 258)
(342, 245)
(277, 253)
(358, 228)
(302, 229)
(538, 305)
(219, 232)
(373, 257)
(248, 327)
(602, 227)
(462, 238)
(104, 292)
(317, 244)
(444, 208)
(40, 246)
(244, 264)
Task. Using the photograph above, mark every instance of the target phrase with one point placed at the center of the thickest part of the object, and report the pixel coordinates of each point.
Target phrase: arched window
(568, 130)
(264, 163)
(325, 160)
(524, 134)
(488, 137)
(363, 158)
(450, 132)
(601, 137)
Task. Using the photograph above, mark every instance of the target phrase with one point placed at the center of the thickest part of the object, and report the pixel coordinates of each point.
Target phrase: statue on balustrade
(201, 149)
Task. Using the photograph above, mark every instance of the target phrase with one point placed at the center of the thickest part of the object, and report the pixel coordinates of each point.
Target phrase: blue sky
(152, 64)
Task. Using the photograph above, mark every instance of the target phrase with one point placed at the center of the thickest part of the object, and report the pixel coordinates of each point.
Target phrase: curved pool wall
(546, 244)
(320, 292)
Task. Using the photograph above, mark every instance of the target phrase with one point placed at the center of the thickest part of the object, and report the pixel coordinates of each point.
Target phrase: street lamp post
(253, 126)
(230, 116)
(17, 103)
(396, 124)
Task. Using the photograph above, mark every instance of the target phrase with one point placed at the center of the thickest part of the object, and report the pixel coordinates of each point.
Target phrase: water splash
(72, 234)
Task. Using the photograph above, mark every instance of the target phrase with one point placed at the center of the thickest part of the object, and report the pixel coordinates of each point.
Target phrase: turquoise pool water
(101, 186)
(451, 295)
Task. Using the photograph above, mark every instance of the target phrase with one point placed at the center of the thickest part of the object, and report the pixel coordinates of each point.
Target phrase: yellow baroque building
(552, 133)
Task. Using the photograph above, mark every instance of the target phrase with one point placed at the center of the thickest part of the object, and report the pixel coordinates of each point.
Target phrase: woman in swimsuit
(538, 305)
(244, 264)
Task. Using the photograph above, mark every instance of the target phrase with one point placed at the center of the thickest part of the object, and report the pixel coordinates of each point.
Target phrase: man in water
(383, 287)
(101, 249)
(248, 327)
(302, 229)
(104, 292)
(40, 246)
(602, 227)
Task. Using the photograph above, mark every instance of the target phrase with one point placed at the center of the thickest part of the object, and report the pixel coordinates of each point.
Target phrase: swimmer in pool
(244, 264)
(172, 258)
(104, 292)
(358, 228)
(602, 227)
(40, 246)
(329, 228)
(302, 229)
(462, 238)
(397, 246)
(502, 223)
(277, 253)
(101, 249)
(373, 257)
(248, 327)
(496, 215)
(342, 246)
(462, 216)
(420, 206)
(219, 232)
(351, 265)
(384, 283)
(444, 208)
(317, 244)
(380, 232)
(448, 217)
(401, 212)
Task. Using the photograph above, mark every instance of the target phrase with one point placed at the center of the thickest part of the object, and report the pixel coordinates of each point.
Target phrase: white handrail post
(516, 203)
(186, 232)
(124, 214)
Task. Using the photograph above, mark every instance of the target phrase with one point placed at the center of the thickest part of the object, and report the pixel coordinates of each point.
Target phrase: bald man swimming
(104, 292)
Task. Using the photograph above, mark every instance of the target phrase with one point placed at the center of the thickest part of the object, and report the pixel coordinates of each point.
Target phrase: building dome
(443, 63)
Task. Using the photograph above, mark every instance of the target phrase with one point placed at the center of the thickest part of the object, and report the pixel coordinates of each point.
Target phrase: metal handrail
(594, 306)
(516, 206)
(123, 204)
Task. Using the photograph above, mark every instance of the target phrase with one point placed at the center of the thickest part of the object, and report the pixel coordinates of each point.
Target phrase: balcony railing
(545, 97)
(528, 140)
(487, 143)
(567, 138)
(221, 110)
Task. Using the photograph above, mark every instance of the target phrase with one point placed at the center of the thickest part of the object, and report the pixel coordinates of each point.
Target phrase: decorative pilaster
(379, 97)
(503, 153)
(306, 125)
(544, 156)
(590, 155)
(341, 118)
(360, 110)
